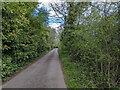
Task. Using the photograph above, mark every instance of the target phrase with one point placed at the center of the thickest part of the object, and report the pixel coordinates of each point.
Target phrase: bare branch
(56, 12)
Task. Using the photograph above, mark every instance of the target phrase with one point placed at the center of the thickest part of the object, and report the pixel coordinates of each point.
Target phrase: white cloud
(46, 4)
(54, 25)
(51, 0)
(52, 12)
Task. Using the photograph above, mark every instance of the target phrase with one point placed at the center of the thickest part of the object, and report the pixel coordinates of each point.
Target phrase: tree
(91, 37)
(24, 36)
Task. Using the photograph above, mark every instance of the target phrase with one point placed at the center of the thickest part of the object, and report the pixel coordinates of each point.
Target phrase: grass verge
(75, 74)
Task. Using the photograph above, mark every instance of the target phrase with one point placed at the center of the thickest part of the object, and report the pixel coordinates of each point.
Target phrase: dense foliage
(24, 35)
(92, 43)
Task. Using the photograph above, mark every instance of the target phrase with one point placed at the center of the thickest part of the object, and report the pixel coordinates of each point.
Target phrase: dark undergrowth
(80, 75)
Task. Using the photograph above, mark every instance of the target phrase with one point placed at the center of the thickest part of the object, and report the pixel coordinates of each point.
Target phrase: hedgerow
(92, 41)
(24, 35)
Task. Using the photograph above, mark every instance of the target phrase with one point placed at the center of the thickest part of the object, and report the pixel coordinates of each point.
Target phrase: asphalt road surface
(45, 73)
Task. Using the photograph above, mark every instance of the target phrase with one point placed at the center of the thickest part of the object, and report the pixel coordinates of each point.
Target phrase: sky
(54, 22)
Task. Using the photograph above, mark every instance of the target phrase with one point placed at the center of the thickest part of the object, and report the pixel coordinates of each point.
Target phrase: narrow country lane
(45, 73)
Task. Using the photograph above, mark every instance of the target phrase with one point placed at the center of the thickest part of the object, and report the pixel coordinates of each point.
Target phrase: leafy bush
(94, 44)
(24, 35)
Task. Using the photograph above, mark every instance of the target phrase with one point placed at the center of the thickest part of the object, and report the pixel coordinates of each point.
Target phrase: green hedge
(24, 36)
(94, 44)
